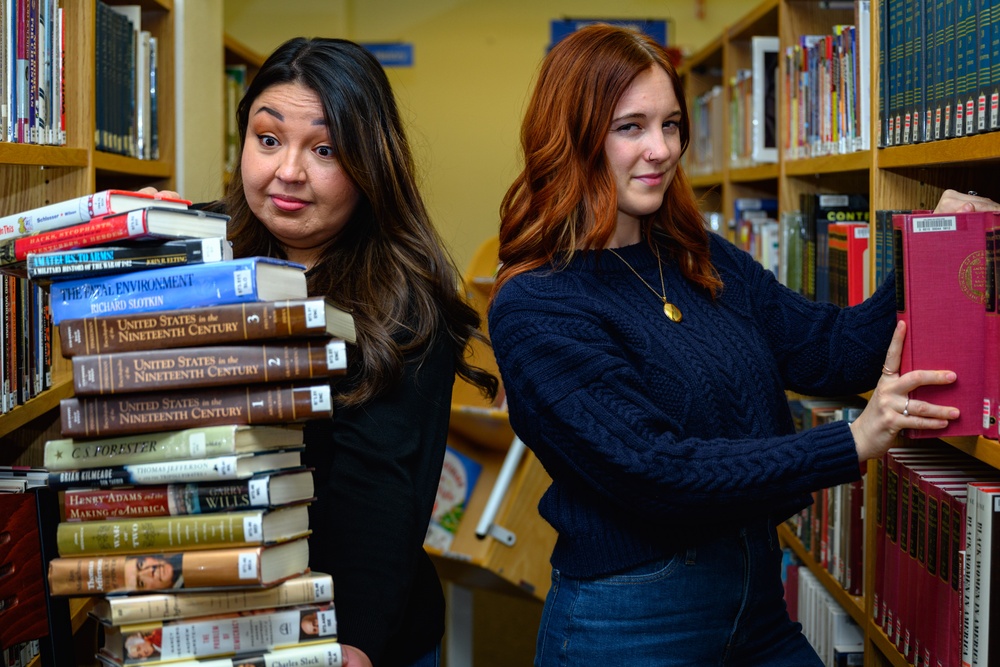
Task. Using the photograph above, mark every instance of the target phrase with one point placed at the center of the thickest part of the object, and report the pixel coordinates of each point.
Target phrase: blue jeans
(430, 659)
(720, 603)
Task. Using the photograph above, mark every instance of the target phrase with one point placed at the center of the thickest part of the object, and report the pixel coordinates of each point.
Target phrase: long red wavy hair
(565, 198)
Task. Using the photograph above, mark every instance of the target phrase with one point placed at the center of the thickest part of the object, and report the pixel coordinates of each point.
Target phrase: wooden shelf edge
(79, 608)
(242, 52)
(761, 20)
(987, 451)
(486, 427)
(852, 604)
(42, 156)
(958, 152)
(467, 572)
(829, 164)
(759, 172)
(130, 166)
(709, 55)
(704, 181)
(36, 407)
(886, 647)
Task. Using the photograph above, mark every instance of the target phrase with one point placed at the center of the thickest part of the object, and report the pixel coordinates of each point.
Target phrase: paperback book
(458, 478)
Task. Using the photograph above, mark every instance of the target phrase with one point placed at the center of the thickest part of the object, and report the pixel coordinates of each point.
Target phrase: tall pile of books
(185, 504)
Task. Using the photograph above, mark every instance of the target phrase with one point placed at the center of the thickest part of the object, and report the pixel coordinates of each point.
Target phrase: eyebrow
(676, 113)
(281, 117)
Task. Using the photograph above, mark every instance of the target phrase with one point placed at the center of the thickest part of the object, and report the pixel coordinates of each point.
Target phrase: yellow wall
(474, 63)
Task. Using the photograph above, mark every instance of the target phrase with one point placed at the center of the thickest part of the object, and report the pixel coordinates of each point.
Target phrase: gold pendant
(672, 311)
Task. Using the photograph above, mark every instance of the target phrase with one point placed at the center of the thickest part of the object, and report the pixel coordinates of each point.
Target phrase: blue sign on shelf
(392, 54)
(655, 28)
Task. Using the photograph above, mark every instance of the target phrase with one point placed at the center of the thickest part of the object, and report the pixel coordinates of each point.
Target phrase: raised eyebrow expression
(277, 114)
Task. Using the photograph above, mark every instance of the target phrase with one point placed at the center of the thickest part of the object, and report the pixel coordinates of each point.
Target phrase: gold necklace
(669, 309)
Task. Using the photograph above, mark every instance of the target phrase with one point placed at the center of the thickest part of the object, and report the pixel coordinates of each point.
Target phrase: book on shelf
(105, 416)
(764, 57)
(194, 443)
(45, 267)
(459, 474)
(142, 224)
(216, 571)
(991, 332)
(174, 287)
(80, 209)
(218, 365)
(939, 261)
(790, 260)
(213, 469)
(819, 212)
(194, 532)
(23, 606)
(985, 497)
(262, 490)
(208, 325)
(319, 654)
(163, 642)
(848, 266)
(307, 588)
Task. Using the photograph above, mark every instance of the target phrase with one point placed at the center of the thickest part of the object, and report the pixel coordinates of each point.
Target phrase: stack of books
(185, 499)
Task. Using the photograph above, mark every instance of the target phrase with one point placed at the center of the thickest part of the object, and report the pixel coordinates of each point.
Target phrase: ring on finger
(906, 412)
(886, 371)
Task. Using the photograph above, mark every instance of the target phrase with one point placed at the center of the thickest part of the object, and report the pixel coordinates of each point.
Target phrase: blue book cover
(458, 478)
(185, 286)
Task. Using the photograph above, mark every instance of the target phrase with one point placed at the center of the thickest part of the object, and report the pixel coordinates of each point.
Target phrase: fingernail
(954, 413)
(951, 377)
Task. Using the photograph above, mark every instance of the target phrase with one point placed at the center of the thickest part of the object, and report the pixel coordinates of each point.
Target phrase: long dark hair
(388, 264)
(565, 197)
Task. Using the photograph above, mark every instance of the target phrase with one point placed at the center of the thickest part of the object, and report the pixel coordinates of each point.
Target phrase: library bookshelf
(910, 176)
(36, 175)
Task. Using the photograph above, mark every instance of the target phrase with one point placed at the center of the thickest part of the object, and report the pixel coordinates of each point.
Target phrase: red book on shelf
(23, 615)
(940, 266)
(849, 265)
(991, 370)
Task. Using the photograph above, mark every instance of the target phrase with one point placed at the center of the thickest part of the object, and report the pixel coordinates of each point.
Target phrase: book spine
(47, 265)
(155, 534)
(94, 575)
(217, 469)
(991, 362)
(214, 284)
(74, 236)
(61, 214)
(68, 454)
(310, 589)
(154, 411)
(322, 655)
(177, 368)
(206, 638)
(223, 324)
(88, 504)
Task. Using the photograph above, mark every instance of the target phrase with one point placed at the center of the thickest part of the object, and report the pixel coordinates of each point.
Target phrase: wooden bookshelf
(897, 177)
(35, 175)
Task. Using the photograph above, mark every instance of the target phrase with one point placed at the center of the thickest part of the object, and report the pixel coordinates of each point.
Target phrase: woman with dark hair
(646, 362)
(326, 179)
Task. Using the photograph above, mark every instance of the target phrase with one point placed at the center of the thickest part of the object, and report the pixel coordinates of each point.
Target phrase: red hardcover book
(991, 370)
(940, 267)
(849, 265)
(23, 614)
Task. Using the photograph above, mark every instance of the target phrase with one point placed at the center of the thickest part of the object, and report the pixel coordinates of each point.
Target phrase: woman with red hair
(646, 362)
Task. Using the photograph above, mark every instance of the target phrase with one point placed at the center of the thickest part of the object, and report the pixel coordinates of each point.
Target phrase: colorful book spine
(89, 504)
(77, 210)
(177, 368)
(104, 416)
(235, 323)
(171, 288)
(67, 265)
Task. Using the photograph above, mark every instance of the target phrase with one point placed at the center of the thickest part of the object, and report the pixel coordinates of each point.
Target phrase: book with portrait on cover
(307, 588)
(247, 567)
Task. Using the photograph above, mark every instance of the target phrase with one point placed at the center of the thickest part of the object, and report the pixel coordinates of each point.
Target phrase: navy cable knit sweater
(659, 434)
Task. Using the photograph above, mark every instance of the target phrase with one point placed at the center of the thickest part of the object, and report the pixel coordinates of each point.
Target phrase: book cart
(910, 176)
(502, 544)
(35, 175)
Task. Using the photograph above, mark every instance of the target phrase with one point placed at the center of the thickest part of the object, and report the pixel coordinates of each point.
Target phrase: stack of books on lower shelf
(185, 500)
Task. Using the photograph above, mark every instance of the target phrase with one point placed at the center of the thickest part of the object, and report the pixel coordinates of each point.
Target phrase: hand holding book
(890, 409)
